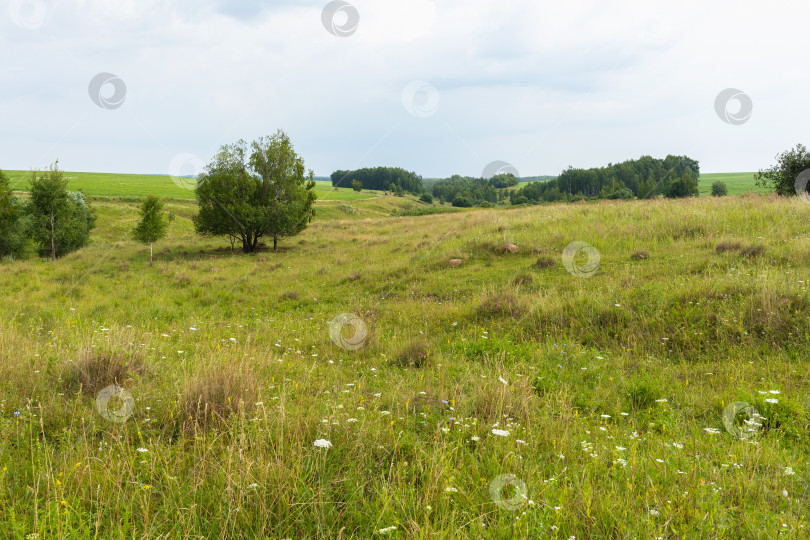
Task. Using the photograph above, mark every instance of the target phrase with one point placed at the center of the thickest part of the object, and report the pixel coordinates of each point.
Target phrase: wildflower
(387, 530)
(323, 443)
(142, 450)
(352, 420)
(663, 400)
(789, 471)
(450, 490)
(654, 512)
(475, 438)
(502, 380)
(774, 392)
(677, 445)
(621, 448)
(520, 441)
(500, 432)
(605, 416)
(771, 400)
(713, 431)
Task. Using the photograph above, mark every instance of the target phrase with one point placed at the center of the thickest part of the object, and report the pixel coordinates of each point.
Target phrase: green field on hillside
(464, 375)
(140, 185)
(737, 183)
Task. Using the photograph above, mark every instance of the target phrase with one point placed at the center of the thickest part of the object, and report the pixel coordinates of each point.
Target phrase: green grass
(737, 183)
(605, 384)
(140, 185)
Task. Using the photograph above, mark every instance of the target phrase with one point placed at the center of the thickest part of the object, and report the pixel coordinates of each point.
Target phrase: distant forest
(643, 178)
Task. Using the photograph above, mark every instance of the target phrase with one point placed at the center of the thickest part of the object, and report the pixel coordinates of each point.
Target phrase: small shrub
(752, 251)
(640, 256)
(501, 304)
(724, 247)
(523, 279)
(719, 189)
(415, 353)
(93, 371)
(346, 209)
(289, 295)
(545, 262)
(212, 397)
(426, 198)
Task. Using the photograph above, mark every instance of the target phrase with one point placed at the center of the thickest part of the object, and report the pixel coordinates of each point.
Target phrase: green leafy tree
(12, 226)
(685, 186)
(462, 202)
(256, 191)
(719, 189)
(426, 198)
(782, 176)
(60, 220)
(357, 185)
(153, 224)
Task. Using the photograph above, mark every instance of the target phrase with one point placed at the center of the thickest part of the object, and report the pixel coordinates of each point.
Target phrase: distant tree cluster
(645, 178)
(466, 191)
(380, 178)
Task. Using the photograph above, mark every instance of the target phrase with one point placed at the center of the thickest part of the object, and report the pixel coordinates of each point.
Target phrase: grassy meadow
(140, 185)
(596, 403)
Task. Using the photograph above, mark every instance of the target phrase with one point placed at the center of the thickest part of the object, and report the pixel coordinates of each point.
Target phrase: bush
(685, 186)
(462, 202)
(426, 198)
(357, 185)
(719, 189)
(486, 204)
(520, 199)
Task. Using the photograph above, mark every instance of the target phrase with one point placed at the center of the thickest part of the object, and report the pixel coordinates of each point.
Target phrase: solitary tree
(783, 176)
(357, 185)
(61, 220)
(256, 191)
(12, 237)
(153, 223)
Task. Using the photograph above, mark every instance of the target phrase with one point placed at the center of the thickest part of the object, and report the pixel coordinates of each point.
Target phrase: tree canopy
(249, 192)
(380, 178)
(12, 229)
(153, 223)
(60, 220)
(783, 176)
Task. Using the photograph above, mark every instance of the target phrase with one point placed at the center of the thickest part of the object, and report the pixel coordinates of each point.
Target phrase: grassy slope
(139, 185)
(737, 183)
(550, 357)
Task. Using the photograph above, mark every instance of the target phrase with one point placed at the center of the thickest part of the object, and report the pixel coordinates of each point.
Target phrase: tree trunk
(275, 241)
(150, 253)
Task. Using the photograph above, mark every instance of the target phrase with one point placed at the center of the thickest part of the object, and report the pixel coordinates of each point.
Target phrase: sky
(437, 87)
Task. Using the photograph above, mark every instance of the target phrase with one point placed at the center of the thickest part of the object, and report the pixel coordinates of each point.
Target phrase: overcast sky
(438, 87)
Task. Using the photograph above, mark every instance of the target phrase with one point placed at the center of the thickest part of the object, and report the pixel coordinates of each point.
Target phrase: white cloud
(542, 85)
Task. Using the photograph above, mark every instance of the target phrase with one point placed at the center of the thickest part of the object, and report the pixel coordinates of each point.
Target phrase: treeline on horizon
(644, 178)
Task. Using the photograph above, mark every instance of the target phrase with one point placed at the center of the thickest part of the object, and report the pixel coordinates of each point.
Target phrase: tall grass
(612, 388)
